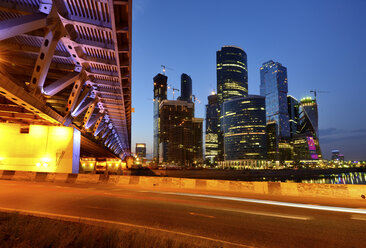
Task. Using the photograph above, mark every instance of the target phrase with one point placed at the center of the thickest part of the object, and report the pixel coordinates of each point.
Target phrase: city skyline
(309, 56)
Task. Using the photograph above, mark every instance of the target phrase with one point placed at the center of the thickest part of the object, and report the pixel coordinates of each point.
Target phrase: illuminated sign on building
(312, 147)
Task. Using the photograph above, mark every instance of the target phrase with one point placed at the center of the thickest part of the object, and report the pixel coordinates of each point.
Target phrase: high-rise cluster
(255, 131)
(177, 134)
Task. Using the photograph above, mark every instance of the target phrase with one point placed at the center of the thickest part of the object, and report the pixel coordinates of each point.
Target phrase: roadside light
(46, 160)
(83, 164)
(90, 164)
(45, 165)
(38, 164)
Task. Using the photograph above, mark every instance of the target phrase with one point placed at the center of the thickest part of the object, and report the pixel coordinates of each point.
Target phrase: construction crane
(194, 98)
(165, 68)
(173, 89)
(318, 91)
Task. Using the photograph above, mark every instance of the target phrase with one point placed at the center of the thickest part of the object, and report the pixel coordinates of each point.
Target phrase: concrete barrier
(87, 178)
(340, 191)
(24, 176)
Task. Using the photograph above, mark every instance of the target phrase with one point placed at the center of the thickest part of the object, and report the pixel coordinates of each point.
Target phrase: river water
(343, 178)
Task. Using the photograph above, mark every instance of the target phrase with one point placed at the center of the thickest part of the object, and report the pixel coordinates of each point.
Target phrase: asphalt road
(234, 220)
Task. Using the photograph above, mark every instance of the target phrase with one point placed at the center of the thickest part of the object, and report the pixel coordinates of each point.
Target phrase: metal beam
(98, 127)
(24, 24)
(44, 60)
(89, 113)
(106, 132)
(61, 84)
(86, 92)
(13, 92)
(71, 102)
(82, 107)
(97, 119)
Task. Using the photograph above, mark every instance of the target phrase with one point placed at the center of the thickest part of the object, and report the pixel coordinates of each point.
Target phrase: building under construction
(179, 134)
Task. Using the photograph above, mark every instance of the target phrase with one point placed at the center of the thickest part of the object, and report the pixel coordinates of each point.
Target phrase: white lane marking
(268, 202)
(358, 217)
(202, 215)
(86, 219)
(286, 216)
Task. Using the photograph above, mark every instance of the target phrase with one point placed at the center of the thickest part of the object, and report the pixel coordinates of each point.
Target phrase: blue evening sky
(321, 42)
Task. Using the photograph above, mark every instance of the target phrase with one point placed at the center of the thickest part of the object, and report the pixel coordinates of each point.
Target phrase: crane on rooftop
(194, 98)
(318, 91)
(165, 68)
(173, 89)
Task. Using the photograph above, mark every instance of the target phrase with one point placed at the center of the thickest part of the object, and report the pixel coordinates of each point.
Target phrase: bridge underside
(68, 63)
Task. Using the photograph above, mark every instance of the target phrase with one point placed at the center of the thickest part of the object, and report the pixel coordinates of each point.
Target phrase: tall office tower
(140, 150)
(197, 140)
(244, 126)
(306, 142)
(160, 94)
(293, 114)
(212, 125)
(272, 142)
(274, 87)
(180, 133)
(308, 118)
(186, 88)
(232, 73)
(232, 81)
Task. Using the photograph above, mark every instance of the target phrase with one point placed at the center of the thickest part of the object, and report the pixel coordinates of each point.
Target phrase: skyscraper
(180, 134)
(186, 88)
(244, 126)
(306, 141)
(232, 73)
(232, 81)
(308, 118)
(293, 113)
(212, 121)
(160, 94)
(140, 150)
(274, 87)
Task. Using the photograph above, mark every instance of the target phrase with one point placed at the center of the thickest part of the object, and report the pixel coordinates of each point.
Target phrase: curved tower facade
(244, 128)
(232, 73)
(186, 88)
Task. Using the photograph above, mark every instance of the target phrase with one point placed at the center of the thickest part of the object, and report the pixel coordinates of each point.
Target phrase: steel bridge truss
(68, 62)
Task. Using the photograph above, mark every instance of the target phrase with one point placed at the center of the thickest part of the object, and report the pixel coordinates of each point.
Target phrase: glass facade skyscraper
(306, 142)
(212, 121)
(308, 118)
(186, 88)
(274, 88)
(232, 81)
(293, 113)
(160, 94)
(244, 128)
(232, 73)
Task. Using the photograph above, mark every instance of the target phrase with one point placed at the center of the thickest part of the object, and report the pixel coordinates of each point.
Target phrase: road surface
(231, 220)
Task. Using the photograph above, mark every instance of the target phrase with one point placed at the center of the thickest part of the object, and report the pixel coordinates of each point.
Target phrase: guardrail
(343, 191)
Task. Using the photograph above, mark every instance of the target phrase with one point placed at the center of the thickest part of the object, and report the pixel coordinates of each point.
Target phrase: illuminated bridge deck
(68, 62)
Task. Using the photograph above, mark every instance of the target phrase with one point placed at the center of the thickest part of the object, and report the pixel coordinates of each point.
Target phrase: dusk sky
(322, 44)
